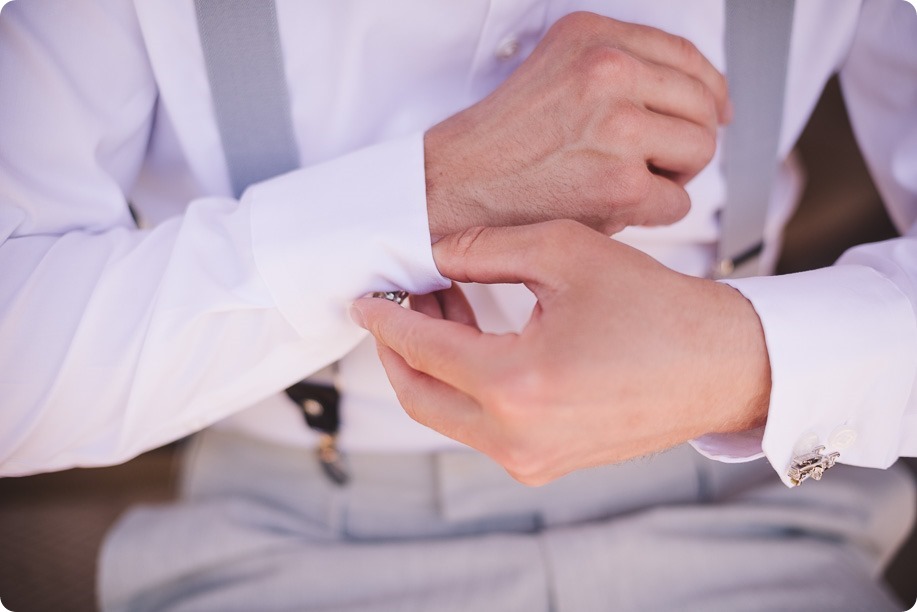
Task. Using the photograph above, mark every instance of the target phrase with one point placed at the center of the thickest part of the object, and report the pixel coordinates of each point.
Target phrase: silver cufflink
(811, 465)
(393, 296)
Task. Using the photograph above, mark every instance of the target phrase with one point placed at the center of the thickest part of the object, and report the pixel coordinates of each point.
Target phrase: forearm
(118, 341)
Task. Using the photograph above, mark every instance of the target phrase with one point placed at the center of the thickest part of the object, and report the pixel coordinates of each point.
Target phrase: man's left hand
(622, 356)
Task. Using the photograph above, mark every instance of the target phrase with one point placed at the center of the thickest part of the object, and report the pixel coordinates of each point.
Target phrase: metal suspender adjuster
(726, 267)
(320, 406)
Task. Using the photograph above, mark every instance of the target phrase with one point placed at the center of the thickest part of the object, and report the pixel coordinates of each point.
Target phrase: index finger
(540, 255)
(455, 353)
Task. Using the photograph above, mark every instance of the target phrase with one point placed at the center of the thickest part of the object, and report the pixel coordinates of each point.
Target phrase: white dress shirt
(114, 340)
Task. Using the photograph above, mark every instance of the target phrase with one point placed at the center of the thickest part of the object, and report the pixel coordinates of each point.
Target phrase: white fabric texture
(114, 340)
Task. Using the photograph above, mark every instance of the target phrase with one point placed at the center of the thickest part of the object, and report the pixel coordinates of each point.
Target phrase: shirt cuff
(842, 344)
(327, 234)
(731, 448)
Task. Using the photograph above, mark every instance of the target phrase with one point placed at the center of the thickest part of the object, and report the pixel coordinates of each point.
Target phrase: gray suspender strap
(241, 44)
(757, 52)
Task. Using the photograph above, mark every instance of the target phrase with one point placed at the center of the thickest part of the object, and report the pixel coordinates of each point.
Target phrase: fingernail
(356, 315)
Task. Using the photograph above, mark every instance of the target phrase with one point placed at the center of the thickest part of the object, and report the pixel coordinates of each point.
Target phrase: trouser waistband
(445, 488)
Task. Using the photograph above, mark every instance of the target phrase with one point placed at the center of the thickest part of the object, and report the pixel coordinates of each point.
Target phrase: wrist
(450, 205)
(743, 376)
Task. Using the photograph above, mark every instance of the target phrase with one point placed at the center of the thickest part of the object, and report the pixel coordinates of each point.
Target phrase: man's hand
(621, 357)
(604, 123)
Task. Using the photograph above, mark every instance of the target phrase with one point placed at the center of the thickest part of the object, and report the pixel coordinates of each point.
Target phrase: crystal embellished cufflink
(811, 465)
(393, 296)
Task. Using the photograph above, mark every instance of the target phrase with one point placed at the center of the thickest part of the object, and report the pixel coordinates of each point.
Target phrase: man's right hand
(621, 357)
(604, 123)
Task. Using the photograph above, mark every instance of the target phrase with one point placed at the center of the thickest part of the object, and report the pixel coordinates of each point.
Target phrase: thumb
(536, 255)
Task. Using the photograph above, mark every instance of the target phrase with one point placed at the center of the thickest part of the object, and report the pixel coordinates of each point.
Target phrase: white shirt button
(507, 49)
(841, 438)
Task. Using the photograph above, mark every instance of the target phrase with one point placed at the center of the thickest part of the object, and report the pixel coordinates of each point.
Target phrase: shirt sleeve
(114, 340)
(842, 341)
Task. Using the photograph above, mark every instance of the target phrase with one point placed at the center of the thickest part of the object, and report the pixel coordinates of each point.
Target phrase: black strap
(320, 405)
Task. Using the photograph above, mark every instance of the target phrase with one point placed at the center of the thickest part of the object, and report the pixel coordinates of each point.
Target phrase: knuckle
(707, 145)
(603, 64)
(636, 185)
(709, 98)
(409, 351)
(681, 206)
(520, 391)
(628, 124)
(525, 388)
(676, 208)
(465, 241)
(708, 101)
(623, 127)
(686, 50)
(575, 23)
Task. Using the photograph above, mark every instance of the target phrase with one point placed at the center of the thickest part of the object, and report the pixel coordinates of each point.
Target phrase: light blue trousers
(258, 527)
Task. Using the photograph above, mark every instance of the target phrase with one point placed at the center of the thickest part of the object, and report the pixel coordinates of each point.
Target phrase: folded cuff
(325, 235)
(842, 345)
